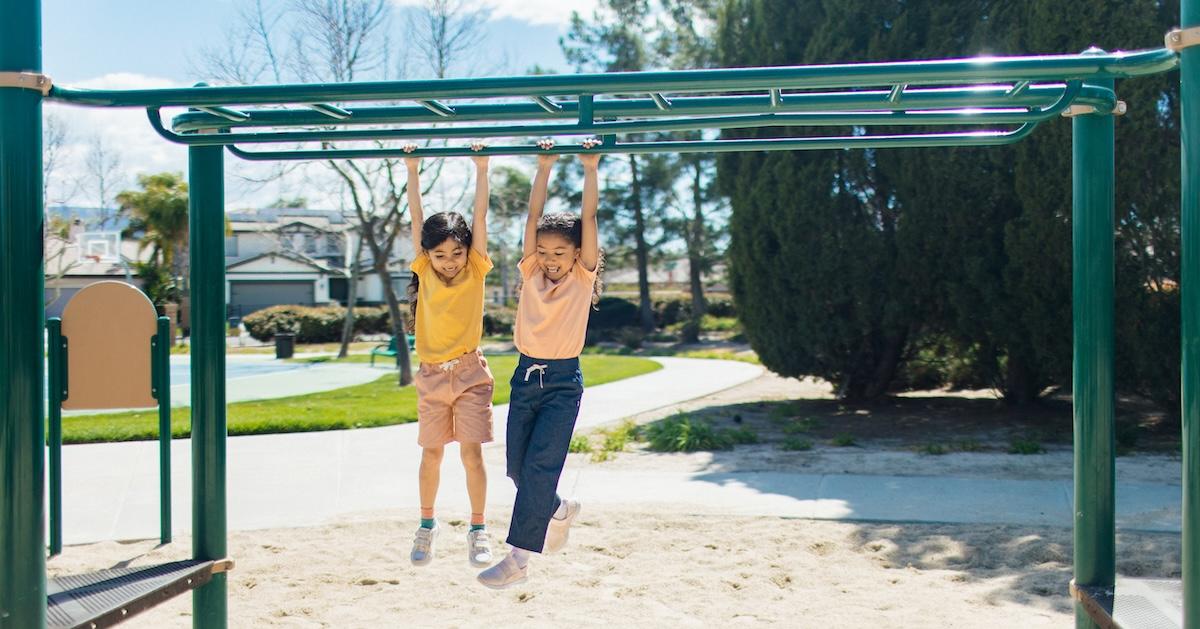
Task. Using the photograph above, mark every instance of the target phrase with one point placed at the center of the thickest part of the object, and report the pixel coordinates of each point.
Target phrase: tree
(103, 168)
(158, 215)
(506, 210)
(617, 39)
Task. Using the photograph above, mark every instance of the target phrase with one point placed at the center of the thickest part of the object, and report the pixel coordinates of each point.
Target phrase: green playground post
(1189, 117)
(56, 365)
(22, 427)
(206, 219)
(160, 379)
(1092, 277)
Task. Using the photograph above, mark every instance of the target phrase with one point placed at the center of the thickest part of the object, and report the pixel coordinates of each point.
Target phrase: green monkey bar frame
(986, 101)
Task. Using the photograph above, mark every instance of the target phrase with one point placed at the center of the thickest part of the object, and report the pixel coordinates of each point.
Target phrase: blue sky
(133, 44)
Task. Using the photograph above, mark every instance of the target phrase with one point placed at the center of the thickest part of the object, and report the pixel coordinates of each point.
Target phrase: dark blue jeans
(542, 410)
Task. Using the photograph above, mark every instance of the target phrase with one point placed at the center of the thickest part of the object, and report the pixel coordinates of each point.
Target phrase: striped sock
(477, 522)
(427, 520)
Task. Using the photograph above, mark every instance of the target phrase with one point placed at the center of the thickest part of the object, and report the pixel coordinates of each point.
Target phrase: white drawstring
(449, 364)
(541, 369)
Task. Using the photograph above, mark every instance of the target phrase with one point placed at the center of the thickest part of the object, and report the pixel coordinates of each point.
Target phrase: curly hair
(570, 227)
(438, 228)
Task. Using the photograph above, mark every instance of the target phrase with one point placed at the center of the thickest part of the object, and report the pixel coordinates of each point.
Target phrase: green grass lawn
(379, 403)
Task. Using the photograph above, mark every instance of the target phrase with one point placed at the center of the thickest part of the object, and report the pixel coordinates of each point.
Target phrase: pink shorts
(454, 401)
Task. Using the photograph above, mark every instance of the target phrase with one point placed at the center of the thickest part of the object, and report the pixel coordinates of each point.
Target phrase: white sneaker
(504, 574)
(560, 528)
(422, 550)
(479, 548)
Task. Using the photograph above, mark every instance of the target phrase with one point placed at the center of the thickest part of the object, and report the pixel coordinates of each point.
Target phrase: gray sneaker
(506, 573)
(422, 550)
(479, 548)
(560, 529)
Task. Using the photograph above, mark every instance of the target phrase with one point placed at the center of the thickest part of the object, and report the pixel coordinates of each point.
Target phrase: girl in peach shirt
(560, 283)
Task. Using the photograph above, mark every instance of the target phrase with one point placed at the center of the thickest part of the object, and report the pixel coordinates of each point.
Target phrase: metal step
(1134, 603)
(105, 598)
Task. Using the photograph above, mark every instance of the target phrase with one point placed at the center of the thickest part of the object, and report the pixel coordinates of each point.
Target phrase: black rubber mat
(105, 598)
(1135, 604)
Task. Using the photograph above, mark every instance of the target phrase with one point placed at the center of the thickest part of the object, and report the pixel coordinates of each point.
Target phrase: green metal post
(206, 217)
(160, 377)
(1189, 98)
(22, 428)
(1092, 310)
(56, 363)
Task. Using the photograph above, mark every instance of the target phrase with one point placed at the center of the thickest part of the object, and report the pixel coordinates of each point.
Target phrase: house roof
(316, 265)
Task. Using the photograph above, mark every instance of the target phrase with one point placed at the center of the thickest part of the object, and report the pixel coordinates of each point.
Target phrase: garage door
(246, 297)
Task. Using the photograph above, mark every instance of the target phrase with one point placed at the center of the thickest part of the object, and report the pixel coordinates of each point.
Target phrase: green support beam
(1189, 97)
(22, 437)
(206, 220)
(56, 364)
(978, 70)
(1092, 312)
(160, 376)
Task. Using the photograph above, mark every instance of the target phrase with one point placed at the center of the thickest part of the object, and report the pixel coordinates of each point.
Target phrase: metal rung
(1017, 89)
(547, 104)
(1133, 603)
(332, 111)
(225, 112)
(896, 93)
(661, 101)
(105, 598)
(437, 108)
(776, 97)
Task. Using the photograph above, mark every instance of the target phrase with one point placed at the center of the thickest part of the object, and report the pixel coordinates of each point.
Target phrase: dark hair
(570, 226)
(436, 229)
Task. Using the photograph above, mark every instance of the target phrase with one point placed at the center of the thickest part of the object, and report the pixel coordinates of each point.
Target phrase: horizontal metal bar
(914, 98)
(970, 138)
(962, 117)
(661, 101)
(332, 111)
(547, 104)
(437, 108)
(938, 72)
(225, 112)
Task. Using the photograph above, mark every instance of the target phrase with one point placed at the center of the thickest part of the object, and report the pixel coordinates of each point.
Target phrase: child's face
(448, 258)
(556, 255)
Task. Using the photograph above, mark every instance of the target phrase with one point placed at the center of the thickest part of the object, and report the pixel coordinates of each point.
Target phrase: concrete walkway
(311, 478)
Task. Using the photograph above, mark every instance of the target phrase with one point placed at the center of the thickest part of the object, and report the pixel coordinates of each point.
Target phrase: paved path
(310, 478)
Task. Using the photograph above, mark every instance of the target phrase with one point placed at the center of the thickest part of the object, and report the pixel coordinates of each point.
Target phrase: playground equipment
(999, 101)
(118, 350)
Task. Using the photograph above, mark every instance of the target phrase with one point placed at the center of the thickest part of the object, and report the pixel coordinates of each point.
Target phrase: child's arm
(590, 247)
(537, 197)
(414, 197)
(479, 218)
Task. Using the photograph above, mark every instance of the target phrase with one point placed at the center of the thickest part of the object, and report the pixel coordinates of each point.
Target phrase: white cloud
(533, 11)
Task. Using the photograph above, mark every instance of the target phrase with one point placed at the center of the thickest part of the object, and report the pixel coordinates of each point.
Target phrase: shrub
(721, 307)
(796, 444)
(934, 449)
(844, 440)
(682, 433)
(498, 320)
(313, 325)
(672, 310)
(580, 443)
(613, 312)
(1025, 445)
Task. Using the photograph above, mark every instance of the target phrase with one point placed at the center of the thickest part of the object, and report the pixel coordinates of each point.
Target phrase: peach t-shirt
(552, 316)
(449, 316)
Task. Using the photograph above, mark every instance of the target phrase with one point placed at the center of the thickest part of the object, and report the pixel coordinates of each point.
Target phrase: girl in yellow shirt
(454, 385)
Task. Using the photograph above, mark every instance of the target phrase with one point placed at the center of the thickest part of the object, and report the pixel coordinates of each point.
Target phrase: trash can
(285, 345)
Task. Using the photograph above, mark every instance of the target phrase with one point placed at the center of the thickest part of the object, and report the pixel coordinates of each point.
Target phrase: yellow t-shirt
(552, 316)
(449, 316)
